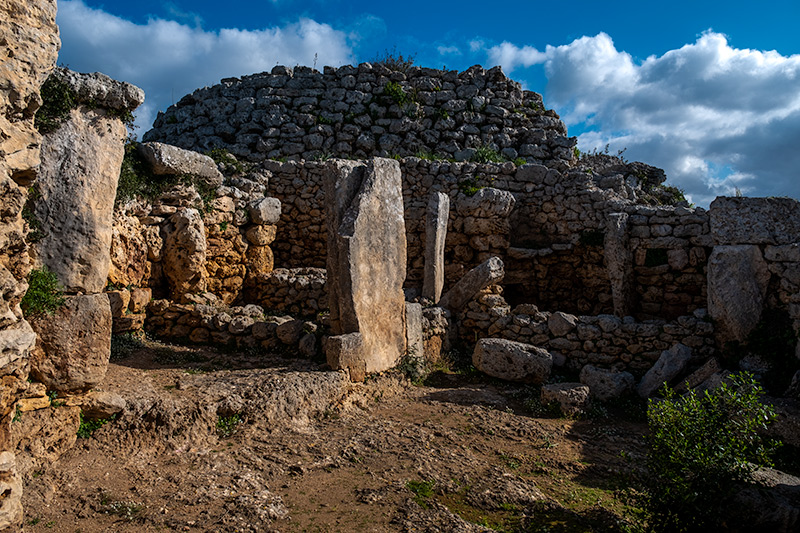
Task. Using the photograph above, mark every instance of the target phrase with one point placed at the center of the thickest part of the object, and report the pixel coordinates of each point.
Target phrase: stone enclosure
(370, 218)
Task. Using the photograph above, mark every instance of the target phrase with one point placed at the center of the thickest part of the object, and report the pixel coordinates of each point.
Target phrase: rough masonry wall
(365, 111)
(30, 41)
(551, 242)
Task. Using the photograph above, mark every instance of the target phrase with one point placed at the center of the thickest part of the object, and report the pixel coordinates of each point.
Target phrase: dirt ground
(215, 441)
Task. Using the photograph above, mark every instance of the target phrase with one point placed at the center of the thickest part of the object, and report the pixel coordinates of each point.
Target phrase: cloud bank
(169, 59)
(717, 118)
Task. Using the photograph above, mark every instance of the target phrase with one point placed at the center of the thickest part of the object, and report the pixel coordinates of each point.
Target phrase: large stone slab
(77, 184)
(165, 159)
(604, 384)
(619, 262)
(669, 365)
(184, 253)
(737, 285)
(366, 260)
(486, 203)
(740, 220)
(74, 344)
(512, 360)
(436, 218)
(487, 273)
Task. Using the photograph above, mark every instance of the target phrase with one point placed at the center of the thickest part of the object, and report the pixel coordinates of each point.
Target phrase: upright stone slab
(737, 285)
(487, 273)
(367, 259)
(77, 182)
(184, 253)
(435, 234)
(619, 262)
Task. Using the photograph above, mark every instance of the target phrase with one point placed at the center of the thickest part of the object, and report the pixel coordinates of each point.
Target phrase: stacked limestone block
(367, 111)
(30, 42)
(299, 291)
(182, 244)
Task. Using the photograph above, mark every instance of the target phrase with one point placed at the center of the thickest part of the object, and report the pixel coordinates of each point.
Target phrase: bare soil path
(228, 442)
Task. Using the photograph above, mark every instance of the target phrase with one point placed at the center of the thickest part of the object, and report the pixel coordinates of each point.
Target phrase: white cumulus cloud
(510, 56)
(715, 117)
(169, 59)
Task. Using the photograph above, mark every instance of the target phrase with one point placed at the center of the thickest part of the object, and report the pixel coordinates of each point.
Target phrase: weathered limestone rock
(487, 273)
(140, 297)
(561, 324)
(260, 260)
(436, 218)
(699, 376)
(347, 352)
(77, 185)
(572, 398)
(101, 90)
(414, 330)
(772, 503)
(129, 252)
(511, 360)
(11, 488)
(165, 159)
(100, 404)
(605, 384)
(265, 211)
(16, 342)
(185, 253)
(619, 261)
(119, 301)
(44, 435)
(486, 203)
(669, 365)
(261, 235)
(367, 258)
(739, 220)
(737, 284)
(74, 344)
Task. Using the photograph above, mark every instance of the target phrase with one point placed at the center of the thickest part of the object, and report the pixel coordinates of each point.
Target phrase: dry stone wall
(365, 111)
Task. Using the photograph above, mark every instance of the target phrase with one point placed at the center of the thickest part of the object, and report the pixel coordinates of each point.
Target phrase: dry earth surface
(215, 441)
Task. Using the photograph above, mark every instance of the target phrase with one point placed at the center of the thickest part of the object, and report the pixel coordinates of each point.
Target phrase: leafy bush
(44, 295)
(58, 98)
(700, 445)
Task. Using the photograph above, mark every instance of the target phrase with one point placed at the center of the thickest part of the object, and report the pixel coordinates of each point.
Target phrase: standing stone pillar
(366, 265)
(436, 218)
(619, 262)
(738, 277)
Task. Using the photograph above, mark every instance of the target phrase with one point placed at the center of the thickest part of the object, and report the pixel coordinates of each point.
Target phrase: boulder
(129, 252)
(606, 385)
(561, 324)
(265, 211)
(100, 404)
(119, 301)
(436, 217)
(165, 159)
(486, 203)
(737, 286)
(184, 255)
(74, 344)
(668, 367)
(366, 260)
(99, 90)
(140, 297)
(16, 342)
(77, 184)
(487, 273)
(512, 360)
(347, 352)
(572, 398)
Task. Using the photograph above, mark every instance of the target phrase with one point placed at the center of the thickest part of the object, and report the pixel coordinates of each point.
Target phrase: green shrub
(486, 154)
(44, 295)
(226, 425)
(29, 215)
(423, 491)
(395, 91)
(88, 427)
(58, 98)
(700, 445)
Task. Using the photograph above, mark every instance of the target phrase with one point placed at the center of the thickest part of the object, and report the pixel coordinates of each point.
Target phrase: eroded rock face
(185, 253)
(367, 257)
(77, 185)
(737, 285)
(74, 344)
(30, 43)
(512, 360)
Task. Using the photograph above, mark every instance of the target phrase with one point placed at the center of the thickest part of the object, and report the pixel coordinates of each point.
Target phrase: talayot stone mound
(366, 111)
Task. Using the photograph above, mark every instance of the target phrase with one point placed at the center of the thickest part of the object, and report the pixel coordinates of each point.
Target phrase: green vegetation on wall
(58, 98)
(44, 295)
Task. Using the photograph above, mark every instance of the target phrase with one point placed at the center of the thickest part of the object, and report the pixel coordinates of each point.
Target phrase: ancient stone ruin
(368, 218)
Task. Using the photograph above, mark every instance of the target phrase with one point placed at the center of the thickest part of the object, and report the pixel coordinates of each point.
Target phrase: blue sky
(709, 91)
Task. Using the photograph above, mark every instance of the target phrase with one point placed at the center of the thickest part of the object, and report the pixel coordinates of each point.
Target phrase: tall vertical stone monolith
(366, 263)
(436, 218)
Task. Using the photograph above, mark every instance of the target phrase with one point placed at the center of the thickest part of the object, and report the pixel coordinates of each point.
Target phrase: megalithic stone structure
(436, 218)
(366, 264)
(619, 262)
